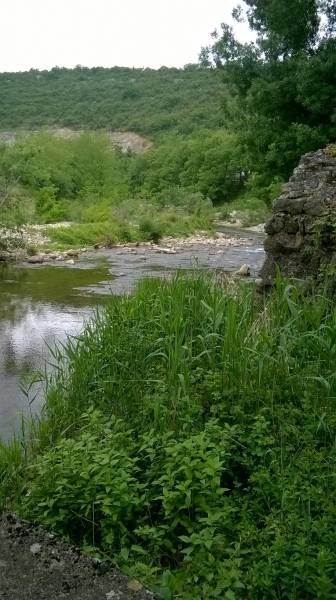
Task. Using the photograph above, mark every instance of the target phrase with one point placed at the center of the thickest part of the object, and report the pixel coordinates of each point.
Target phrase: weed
(190, 435)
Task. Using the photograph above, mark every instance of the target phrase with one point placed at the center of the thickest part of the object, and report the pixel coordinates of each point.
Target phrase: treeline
(53, 179)
(281, 100)
(146, 101)
(232, 129)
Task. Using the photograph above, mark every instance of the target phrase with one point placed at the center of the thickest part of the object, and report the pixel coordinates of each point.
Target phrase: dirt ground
(34, 565)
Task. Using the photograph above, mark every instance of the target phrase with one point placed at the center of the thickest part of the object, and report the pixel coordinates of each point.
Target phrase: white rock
(165, 250)
(70, 262)
(244, 271)
(35, 548)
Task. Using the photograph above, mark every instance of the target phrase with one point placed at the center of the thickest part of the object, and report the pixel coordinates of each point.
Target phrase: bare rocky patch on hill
(126, 140)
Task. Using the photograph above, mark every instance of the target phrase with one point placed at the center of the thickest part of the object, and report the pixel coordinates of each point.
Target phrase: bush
(189, 434)
(150, 230)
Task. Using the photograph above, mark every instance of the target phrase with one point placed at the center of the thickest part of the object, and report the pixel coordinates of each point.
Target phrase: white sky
(140, 33)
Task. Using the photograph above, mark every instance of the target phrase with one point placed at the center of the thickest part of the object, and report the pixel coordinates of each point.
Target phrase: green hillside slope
(141, 100)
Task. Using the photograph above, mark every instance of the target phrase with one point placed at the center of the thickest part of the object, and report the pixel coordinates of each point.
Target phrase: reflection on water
(38, 306)
(41, 304)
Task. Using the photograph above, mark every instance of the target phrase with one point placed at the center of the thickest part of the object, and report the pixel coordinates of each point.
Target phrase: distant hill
(145, 101)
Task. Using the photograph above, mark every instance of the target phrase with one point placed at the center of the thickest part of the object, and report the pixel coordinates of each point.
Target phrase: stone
(165, 250)
(315, 207)
(70, 261)
(244, 271)
(36, 259)
(291, 225)
(301, 234)
(288, 205)
(134, 585)
(275, 224)
(35, 549)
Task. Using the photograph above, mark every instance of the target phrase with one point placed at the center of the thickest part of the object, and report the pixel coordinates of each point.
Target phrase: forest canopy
(229, 129)
(282, 86)
(147, 101)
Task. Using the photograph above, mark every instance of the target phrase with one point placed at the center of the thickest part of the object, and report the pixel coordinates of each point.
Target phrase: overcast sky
(141, 33)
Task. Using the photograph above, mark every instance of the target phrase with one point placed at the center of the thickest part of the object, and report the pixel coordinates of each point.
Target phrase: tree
(283, 83)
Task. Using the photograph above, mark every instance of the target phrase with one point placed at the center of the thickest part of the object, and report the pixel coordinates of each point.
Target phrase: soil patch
(35, 565)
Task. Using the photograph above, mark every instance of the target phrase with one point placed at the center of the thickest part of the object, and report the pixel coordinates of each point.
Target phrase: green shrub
(190, 435)
(150, 230)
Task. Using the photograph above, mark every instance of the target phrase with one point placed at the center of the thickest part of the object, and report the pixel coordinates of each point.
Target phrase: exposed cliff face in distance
(126, 140)
(301, 238)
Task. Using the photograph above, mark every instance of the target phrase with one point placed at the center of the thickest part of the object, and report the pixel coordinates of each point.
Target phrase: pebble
(244, 271)
(35, 260)
(165, 250)
(35, 548)
(134, 585)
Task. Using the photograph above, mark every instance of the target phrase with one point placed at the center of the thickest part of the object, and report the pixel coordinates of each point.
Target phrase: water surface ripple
(43, 304)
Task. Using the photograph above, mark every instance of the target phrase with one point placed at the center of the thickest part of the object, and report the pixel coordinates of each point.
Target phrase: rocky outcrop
(301, 234)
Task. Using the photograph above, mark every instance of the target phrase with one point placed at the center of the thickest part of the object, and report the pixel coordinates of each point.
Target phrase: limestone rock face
(301, 238)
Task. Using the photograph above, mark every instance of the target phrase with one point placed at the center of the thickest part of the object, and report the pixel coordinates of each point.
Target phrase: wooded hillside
(141, 100)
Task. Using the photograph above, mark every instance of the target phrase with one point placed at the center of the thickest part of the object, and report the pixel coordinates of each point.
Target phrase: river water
(40, 305)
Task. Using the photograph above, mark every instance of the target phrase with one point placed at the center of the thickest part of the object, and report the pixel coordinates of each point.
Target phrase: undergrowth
(135, 221)
(189, 435)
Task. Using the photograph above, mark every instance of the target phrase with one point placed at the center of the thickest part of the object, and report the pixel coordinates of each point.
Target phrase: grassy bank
(190, 436)
(136, 222)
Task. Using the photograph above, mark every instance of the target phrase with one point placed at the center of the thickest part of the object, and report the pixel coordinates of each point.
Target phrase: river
(40, 305)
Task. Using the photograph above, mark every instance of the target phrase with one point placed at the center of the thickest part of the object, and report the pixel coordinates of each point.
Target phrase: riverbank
(35, 244)
(42, 303)
(35, 565)
(189, 436)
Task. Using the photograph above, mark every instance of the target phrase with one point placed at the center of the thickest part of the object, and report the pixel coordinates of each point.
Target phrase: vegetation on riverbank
(189, 432)
(189, 436)
(232, 143)
(111, 196)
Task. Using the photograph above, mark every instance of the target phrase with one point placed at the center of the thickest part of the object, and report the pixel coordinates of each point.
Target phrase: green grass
(149, 225)
(190, 436)
(247, 211)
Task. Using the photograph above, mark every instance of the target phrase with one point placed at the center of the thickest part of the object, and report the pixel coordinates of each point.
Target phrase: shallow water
(43, 304)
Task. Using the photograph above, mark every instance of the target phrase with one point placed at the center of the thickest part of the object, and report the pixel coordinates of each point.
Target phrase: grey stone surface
(57, 571)
(301, 234)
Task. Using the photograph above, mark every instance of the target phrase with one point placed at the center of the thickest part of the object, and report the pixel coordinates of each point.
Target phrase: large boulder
(301, 234)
